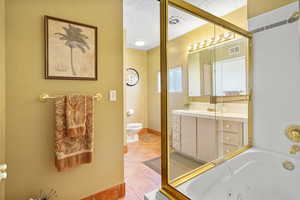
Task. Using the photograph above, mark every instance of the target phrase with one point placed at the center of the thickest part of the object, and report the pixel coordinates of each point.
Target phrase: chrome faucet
(294, 149)
(211, 109)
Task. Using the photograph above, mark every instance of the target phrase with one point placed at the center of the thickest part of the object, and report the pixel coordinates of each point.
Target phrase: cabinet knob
(227, 126)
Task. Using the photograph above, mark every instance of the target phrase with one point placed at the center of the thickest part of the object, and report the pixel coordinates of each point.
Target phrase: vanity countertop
(212, 115)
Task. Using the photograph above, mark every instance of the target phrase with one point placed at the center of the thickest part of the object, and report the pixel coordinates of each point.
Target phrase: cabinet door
(189, 136)
(176, 132)
(207, 140)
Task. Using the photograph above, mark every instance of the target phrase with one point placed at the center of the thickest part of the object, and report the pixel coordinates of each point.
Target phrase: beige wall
(257, 7)
(2, 91)
(136, 96)
(30, 123)
(178, 56)
(124, 89)
(153, 94)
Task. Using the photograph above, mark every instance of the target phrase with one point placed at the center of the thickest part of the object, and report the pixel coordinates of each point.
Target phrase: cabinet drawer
(176, 136)
(227, 148)
(176, 128)
(230, 126)
(232, 138)
(176, 123)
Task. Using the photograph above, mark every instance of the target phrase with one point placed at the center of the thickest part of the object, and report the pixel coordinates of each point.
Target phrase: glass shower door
(199, 84)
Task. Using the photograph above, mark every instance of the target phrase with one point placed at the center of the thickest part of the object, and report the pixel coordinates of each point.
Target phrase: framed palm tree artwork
(71, 50)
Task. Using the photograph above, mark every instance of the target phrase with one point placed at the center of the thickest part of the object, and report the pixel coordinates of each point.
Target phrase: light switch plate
(3, 167)
(113, 95)
(3, 175)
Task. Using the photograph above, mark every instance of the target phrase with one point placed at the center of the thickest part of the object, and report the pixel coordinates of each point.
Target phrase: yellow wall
(2, 91)
(178, 56)
(153, 94)
(257, 7)
(136, 96)
(30, 123)
(124, 89)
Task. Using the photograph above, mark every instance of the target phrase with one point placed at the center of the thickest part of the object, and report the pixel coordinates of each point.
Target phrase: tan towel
(73, 146)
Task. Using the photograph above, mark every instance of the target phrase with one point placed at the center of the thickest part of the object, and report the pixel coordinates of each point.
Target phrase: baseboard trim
(125, 148)
(154, 132)
(113, 193)
(149, 130)
(143, 131)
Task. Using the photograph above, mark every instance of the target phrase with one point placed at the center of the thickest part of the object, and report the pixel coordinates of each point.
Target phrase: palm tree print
(74, 38)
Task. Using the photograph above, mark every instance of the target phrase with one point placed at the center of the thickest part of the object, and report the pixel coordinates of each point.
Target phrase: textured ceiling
(141, 19)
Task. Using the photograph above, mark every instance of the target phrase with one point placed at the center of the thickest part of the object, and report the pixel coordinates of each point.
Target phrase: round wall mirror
(132, 77)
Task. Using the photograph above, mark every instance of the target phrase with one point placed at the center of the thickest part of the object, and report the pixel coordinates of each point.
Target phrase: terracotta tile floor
(139, 178)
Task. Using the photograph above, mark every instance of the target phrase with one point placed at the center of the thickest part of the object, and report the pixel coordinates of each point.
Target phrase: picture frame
(71, 50)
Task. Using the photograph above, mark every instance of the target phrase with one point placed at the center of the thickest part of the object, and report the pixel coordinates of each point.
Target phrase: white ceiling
(141, 19)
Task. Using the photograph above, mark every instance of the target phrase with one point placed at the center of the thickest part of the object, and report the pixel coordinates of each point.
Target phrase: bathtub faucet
(294, 149)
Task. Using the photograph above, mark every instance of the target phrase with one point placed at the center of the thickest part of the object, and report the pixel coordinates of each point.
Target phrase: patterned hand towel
(76, 115)
(73, 148)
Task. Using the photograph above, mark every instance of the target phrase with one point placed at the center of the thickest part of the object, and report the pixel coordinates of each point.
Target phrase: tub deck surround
(212, 115)
(255, 174)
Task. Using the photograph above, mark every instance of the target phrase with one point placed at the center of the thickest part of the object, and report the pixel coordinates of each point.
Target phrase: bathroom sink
(200, 113)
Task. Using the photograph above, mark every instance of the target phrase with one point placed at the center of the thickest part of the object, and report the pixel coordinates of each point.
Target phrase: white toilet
(132, 131)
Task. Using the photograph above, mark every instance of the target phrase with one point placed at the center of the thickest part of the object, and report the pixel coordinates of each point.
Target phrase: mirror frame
(168, 188)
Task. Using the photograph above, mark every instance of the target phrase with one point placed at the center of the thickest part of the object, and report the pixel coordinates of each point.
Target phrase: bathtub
(253, 175)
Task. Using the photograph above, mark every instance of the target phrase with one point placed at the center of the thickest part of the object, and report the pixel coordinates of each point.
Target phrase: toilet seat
(132, 130)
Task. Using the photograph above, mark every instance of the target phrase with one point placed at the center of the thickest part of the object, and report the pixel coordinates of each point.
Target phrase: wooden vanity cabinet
(176, 136)
(188, 133)
(230, 136)
(195, 137)
(206, 139)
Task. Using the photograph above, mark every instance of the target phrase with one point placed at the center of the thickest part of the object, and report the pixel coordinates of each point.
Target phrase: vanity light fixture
(139, 43)
(227, 34)
(212, 41)
(218, 39)
(195, 46)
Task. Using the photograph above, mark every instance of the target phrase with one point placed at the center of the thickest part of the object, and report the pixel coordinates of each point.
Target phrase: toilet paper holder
(130, 112)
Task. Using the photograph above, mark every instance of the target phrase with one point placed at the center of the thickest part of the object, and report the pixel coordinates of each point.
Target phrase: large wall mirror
(210, 120)
(219, 70)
